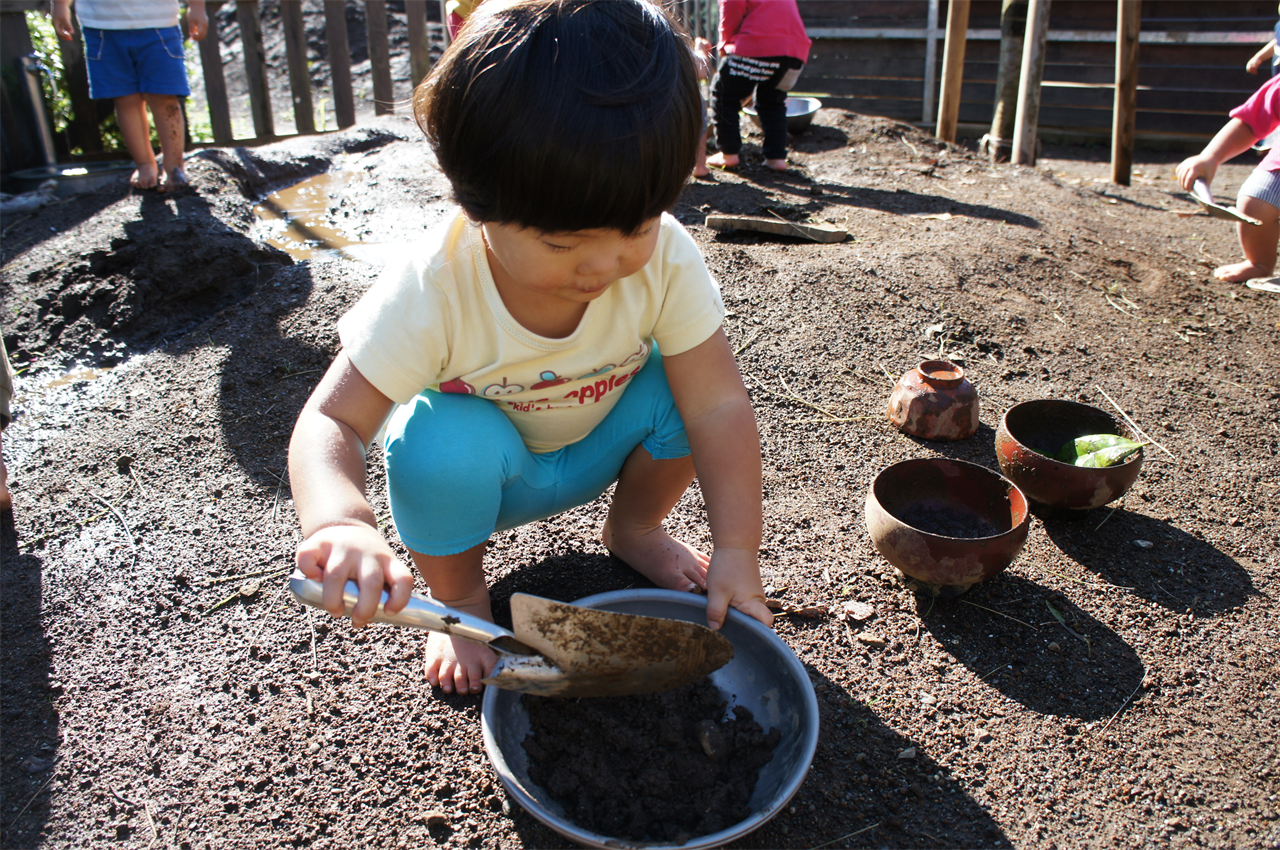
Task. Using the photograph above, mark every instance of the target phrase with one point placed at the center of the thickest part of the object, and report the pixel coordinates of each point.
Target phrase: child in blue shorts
(133, 49)
(559, 333)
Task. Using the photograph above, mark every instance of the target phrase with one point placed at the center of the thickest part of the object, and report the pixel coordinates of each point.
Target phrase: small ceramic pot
(935, 401)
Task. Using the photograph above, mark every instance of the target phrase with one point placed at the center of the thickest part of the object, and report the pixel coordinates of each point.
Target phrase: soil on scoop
(665, 767)
(948, 521)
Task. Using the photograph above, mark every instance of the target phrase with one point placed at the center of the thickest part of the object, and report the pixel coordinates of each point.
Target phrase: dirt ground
(160, 689)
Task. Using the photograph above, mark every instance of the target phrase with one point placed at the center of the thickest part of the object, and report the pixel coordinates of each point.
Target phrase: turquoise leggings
(457, 469)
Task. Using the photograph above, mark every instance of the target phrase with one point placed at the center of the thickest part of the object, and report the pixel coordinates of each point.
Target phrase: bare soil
(1117, 686)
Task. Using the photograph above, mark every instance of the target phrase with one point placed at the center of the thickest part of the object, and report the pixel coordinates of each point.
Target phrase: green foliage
(1098, 450)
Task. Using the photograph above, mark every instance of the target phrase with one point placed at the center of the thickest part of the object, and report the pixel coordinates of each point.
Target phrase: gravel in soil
(661, 768)
(1116, 686)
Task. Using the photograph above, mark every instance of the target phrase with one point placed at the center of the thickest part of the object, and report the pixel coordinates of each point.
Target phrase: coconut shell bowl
(946, 525)
(1032, 432)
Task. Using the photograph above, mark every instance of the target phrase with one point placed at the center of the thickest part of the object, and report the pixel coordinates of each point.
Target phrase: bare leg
(457, 581)
(171, 129)
(131, 114)
(1257, 241)
(700, 168)
(647, 491)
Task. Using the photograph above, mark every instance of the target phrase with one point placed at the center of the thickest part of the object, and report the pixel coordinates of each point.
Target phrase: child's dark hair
(564, 115)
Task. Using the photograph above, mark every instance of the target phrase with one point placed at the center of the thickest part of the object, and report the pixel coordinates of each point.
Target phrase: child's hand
(62, 20)
(1193, 168)
(733, 578)
(197, 21)
(338, 553)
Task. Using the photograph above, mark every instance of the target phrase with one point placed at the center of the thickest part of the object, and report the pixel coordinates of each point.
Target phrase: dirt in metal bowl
(800, 112)
(764, 676)
(1032, 432)
(944, 524)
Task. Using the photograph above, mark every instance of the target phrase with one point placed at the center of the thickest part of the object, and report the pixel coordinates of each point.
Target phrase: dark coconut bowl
(1032, 432)
(946, 525)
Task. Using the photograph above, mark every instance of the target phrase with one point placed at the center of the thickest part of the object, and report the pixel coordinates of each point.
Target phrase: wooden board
(778, 227)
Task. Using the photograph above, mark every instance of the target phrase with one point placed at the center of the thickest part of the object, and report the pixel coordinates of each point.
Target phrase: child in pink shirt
(1260, 194)
(763, 46)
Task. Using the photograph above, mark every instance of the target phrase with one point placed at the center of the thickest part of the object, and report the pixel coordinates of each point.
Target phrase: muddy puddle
(296, 219)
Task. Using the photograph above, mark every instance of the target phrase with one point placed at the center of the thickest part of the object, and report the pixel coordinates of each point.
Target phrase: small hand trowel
(1200, 191)
(557, 649)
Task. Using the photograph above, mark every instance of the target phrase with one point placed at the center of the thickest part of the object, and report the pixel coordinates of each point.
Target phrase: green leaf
(1097, 450)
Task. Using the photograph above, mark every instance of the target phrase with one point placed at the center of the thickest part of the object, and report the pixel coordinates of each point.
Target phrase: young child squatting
(559, 333)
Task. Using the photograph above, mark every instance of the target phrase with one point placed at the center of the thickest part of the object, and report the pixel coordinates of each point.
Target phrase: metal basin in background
(74, 179)
(764, 676)
(1032, 432)
(800, 112)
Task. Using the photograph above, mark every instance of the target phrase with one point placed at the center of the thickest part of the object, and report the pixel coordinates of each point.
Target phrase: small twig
(1108, 516)
(843, 837)
(64, 529)
(798, 231)
(1062, 621)
(994, 669)
(211, 582)
(997, 613)
(1134, 425)
(39, 790)
(128, 534)
(1094, 585)
(315, 663)
(748, 343)
(793, 398)
(903, 139)
(155, 833)
(232, 598)
(1123, 704)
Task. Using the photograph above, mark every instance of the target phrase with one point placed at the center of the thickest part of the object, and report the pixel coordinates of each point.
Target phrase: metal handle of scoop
(422, 612)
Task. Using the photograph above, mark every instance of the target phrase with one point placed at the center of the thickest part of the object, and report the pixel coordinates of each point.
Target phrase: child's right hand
(1193, 168)
(338, 553)
(62, 21)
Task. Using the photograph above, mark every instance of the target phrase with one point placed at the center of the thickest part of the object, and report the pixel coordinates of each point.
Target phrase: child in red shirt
(763, 46)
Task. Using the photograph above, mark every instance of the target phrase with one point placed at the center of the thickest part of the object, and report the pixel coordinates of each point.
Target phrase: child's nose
(600, 263)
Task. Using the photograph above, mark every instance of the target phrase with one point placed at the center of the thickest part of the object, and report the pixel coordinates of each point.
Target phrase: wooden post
(1128, 25)
(1024, 131)
(444, 22)
(419, 42)
(998, 144)
(295, 48)
(927, 114)
(335, 36)
(215, 83)
(255, 68)
(379, 57)
(953, 69)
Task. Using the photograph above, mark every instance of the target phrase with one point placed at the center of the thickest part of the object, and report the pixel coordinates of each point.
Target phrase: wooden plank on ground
(778, 227)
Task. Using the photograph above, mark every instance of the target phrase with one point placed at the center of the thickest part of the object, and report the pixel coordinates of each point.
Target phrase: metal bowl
(1032, 432)
(74, 179)
(946, 524)
(800, 112)
(764, 676)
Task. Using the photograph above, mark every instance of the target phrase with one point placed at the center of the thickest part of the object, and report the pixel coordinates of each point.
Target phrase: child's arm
(1233, 139)
(721, 425)
(62, 24)
(1255, 62)
(327, 476)
(197, 20)
(732, 12)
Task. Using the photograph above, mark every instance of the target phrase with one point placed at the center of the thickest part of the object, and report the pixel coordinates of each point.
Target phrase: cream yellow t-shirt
(437, 322)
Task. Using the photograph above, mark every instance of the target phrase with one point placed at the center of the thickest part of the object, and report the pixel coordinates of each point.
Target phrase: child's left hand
(733, 578)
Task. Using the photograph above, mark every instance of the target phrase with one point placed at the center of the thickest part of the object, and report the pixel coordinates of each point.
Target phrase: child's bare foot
(701, 171)
(174, 180)
(453, 664)
(1237, 272)
(669, 563)
(723, 160)
(144, 177)
(776, 164)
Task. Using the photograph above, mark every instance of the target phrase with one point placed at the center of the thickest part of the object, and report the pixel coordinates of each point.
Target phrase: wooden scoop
(557, 649)
(1200, 191)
